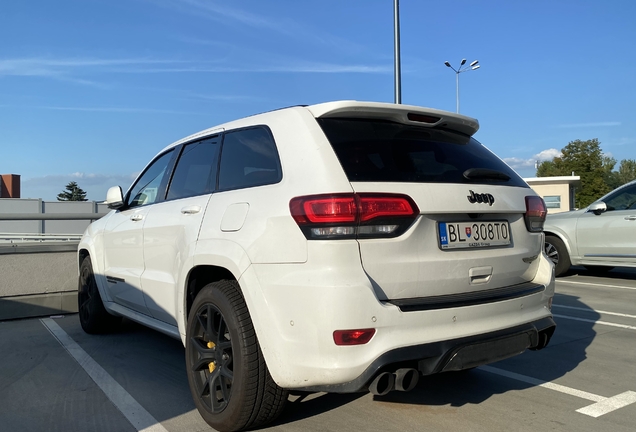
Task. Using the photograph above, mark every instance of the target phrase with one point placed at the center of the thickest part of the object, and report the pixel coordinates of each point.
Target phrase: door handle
(191, 210)
(136, 217)
(630, 218)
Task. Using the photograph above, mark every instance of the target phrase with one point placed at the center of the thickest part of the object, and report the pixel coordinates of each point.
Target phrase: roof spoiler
(406, 114)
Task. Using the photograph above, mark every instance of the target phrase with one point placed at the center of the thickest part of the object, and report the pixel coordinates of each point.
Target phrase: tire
(222, 351)
(555, 250)
(92, 314)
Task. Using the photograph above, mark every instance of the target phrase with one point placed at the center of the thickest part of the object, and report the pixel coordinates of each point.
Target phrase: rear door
(471, 234)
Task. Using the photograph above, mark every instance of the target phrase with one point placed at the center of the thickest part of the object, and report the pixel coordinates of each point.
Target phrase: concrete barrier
(37, 279)
(38, 249)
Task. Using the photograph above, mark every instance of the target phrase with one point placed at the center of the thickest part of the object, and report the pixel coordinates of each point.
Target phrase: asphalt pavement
(54, 377)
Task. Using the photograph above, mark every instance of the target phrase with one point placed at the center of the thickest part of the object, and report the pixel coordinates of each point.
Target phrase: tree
(585, 159)
(72, 193)
(610, 177)
(626, 171)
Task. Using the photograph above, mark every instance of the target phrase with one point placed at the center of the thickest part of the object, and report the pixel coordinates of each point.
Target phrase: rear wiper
(485, 174)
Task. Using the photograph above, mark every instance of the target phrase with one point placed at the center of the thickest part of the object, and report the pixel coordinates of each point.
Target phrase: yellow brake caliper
(211, 365)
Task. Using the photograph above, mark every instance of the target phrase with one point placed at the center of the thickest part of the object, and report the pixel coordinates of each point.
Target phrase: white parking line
(595, 322)
(596, 284)
(609, 404)
(602, 405)
(141, 419)
(594, 310)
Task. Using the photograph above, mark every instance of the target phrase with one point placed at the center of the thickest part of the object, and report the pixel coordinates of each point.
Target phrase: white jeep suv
(337, 247)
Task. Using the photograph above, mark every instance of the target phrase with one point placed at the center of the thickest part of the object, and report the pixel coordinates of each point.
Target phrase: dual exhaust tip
(404, 379)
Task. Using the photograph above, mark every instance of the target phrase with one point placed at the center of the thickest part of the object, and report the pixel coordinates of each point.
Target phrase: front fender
(567, 238)
(92, 243)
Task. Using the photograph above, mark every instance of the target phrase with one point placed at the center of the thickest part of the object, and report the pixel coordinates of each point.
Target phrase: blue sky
(91, 90)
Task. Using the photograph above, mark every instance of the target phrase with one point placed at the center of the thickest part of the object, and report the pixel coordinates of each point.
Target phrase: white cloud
(589, 125)
(290, 67)
(544, 155)
(55, 67)
(220, 12)
(119, 110)
(621, 142)
(68, 69)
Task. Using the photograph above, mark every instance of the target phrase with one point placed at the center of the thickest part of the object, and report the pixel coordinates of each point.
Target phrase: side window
(248, 158)
(195, 173)
(624, 199)
(147, 189)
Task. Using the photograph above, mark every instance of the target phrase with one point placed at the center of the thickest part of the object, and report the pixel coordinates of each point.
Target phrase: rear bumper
(296, 308)
(451, 355)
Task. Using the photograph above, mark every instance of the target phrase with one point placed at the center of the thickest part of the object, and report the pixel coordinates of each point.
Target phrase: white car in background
(340, 247)
(600, 237)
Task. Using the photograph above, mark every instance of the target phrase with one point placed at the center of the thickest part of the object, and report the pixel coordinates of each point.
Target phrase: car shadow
(625, 273)
(141, 358)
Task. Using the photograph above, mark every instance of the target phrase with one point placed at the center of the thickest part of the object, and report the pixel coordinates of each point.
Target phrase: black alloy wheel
(213, 369)
(229, 380)
(92, 314)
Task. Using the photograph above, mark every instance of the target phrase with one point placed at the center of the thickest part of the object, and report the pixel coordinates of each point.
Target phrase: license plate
(459, 235)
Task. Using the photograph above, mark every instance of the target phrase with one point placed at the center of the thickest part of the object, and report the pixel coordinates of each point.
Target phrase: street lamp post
(462, 68)
(396, 40)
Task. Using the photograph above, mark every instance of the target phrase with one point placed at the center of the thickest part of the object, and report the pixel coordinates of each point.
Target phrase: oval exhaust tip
(406, 379)
(382, 384)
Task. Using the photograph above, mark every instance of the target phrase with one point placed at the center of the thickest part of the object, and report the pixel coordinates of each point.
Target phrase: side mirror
(114, 198)
(597, 207)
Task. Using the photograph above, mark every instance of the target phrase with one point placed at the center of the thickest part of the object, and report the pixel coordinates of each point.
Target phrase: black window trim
(278, 164)
(161, 191)
(212, 182)
(213, 185)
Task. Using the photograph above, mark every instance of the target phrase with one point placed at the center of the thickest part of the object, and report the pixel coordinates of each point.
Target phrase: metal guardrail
(24, 237)
(38, 247)
(51, 216)
(11, 243)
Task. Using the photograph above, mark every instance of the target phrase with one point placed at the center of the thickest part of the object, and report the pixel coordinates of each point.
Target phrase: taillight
(536, 212)
(353, 337)
(362, 215)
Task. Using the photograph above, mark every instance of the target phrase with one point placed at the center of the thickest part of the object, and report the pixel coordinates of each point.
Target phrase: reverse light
(333, 231)
(353, 337)
(536, 211)
(348, 216)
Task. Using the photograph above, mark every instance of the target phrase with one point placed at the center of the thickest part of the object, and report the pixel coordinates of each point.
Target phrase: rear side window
(248, 158)
(383, 151)
(195, 173)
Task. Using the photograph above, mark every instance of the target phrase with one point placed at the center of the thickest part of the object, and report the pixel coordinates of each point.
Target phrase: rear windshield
(382, 151)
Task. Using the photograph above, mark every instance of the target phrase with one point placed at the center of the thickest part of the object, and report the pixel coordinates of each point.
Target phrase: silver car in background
(600, 237)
